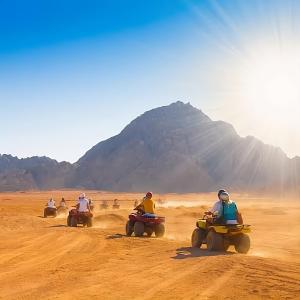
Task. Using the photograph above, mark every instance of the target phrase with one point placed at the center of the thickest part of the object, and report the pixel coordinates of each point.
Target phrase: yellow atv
(219, 237)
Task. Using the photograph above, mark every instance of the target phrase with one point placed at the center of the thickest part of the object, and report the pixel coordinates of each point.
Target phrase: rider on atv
(51, 203)
(145, 220)
(225, 210)
(83, 204)
(63, 203)
(147, 206)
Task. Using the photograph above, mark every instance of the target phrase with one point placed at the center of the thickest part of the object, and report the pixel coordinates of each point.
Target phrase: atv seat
(147, 215)
(232, 222)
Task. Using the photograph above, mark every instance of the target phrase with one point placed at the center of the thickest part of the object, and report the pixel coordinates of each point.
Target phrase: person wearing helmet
(83, 204)
(63, 203)
(147, 206)
(51, 203)
(225, 209)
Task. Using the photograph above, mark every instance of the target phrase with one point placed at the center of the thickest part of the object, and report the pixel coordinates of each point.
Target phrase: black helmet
(220, 192)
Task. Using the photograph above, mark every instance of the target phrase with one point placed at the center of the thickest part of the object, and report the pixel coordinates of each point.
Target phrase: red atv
(75, 217)
(140, 223)
(50, 211)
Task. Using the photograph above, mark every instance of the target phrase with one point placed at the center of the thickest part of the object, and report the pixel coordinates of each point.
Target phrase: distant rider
(63, 203)
(225, 209)
(83, 204)
(51, 203)
(147, 206)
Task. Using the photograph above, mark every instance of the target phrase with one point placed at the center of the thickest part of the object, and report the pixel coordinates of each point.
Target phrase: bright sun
(265, 94)
(270, 88)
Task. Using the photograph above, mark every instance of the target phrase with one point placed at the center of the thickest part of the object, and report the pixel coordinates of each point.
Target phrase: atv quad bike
(116, 204)
(219, 237)
(104, 205)
(75, 217)
(140, 223)
(50, 211)
(62, 210)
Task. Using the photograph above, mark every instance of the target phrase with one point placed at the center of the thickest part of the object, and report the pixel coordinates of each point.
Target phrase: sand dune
(44, 259)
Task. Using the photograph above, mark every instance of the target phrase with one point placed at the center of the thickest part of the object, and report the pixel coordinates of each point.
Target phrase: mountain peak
(173, 148)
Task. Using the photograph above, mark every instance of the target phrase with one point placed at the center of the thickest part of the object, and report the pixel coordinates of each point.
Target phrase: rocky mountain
(175, 148)
(32, 173)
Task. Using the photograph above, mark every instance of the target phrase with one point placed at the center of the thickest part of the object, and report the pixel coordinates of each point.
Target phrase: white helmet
(224, 196)
(82, 195)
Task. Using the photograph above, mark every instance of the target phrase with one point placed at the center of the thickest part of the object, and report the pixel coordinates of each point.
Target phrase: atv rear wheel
(138, 228)
(45, 213)
(197, 237)
(159, 230)
(129, 228)
(148, 230)
(73, 221)
(226, 244)
(242, 243)
(89, 222)
(215, 241)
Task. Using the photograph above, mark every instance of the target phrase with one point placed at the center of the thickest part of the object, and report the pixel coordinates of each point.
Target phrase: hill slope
(177, 148)
(32, 173)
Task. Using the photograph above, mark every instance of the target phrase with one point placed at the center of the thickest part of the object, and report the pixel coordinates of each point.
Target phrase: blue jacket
(229, 211)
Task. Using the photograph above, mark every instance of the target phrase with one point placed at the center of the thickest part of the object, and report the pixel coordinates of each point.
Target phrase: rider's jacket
(51, 204)
(83, 205)
(225, 210)
(230, 211)
(148, 206)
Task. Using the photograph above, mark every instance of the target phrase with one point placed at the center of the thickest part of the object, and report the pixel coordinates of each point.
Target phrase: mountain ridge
(174, 148)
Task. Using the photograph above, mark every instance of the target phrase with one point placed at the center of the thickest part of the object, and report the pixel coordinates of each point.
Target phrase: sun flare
(272, 84)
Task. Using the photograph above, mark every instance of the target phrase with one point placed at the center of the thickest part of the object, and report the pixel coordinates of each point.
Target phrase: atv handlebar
(139, 210)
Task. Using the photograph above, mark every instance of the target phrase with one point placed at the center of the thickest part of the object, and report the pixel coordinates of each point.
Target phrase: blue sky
(73, 73)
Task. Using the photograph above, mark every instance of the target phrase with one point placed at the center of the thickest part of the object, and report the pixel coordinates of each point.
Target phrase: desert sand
(44, 259)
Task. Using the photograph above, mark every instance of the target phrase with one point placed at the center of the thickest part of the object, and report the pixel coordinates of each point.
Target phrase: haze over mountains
(175, 148)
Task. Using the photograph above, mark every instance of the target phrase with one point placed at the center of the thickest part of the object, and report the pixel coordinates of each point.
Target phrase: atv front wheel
(215, 241)
(129, 228)
(197, 237)
(159, 230)
(45, 213)
(89, 222)
(242, 243)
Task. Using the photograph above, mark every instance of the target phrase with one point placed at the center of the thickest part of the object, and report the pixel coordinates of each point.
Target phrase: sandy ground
(44, 259)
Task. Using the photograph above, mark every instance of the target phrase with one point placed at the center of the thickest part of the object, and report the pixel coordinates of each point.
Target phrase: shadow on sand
(189, 252)
(119, 235)
(59, 225)
(115, 236)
